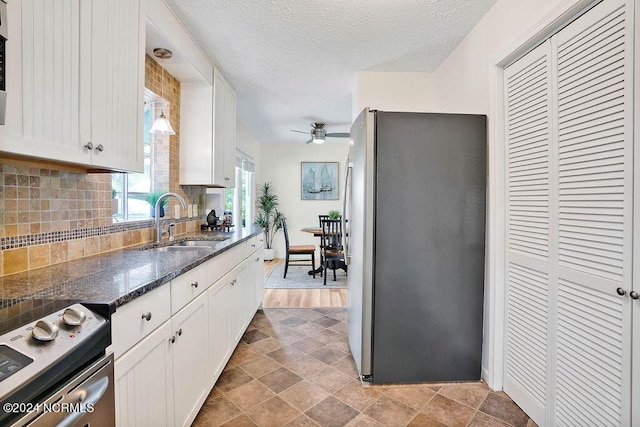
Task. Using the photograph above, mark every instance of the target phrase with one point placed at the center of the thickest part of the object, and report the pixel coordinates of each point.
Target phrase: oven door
(88, 399)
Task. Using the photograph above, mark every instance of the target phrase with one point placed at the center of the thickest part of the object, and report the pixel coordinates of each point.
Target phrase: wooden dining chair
(331, 246)
(298, 250)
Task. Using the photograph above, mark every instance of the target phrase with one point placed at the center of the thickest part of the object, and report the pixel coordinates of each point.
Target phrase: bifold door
(569, 162)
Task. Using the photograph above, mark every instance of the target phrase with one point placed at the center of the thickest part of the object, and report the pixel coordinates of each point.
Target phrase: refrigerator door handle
(347, 190)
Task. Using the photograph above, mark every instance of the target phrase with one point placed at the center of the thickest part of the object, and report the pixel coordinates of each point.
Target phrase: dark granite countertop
(115, 277)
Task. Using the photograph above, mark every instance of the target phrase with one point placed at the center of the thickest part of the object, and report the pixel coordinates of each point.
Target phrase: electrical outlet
(176, 212)
(189, 211)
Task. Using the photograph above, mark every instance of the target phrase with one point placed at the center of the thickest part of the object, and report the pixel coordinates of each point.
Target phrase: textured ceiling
(295, 62)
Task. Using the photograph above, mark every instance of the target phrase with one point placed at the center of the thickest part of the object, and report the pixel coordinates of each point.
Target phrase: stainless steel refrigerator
(415, 205)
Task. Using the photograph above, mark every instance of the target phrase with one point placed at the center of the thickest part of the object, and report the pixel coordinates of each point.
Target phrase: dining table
(317, 232)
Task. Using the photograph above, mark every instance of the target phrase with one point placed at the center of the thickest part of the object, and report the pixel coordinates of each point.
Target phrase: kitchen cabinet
(208, 133)
(189, 348)
(224, 131)
(144, 382)
(76, 73)
(241, 301)
(220, 339)
(256, 272)
(179, 336)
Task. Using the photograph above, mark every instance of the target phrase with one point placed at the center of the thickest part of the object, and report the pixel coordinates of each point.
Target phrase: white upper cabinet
(76, 73)
(224, 123)
(208, 133)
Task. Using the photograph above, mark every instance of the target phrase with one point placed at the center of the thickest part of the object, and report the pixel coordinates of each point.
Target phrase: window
(129, 190)
(240, 199)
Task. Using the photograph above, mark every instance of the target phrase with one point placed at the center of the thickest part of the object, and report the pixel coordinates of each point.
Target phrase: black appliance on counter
(54, 368)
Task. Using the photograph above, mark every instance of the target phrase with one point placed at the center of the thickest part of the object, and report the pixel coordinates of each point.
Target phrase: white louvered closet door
(528, 130)
(568, 331)
(593, 350)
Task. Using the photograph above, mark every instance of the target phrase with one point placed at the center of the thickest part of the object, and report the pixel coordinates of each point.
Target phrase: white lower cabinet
(144, 382)
(256, 262)
(164, 377)
(238, 296)
(189, 343)
(220, 339)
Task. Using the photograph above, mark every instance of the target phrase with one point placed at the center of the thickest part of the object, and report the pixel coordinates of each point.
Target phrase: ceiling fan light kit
(319, 133)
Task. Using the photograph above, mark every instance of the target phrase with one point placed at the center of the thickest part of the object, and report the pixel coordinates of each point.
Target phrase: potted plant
(268, 218)
(334, 214)
(152, 198)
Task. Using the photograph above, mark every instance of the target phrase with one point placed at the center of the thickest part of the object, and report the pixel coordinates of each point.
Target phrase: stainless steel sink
(175, 248)
(192, 243)
(182, 245)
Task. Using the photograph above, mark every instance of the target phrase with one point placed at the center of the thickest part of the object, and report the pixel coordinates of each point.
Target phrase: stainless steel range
(54, 369)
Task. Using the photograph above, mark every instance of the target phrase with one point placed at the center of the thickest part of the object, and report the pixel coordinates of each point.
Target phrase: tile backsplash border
(60, 236)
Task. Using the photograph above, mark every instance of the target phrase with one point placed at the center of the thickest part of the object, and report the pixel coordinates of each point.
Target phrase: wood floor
(301, 298)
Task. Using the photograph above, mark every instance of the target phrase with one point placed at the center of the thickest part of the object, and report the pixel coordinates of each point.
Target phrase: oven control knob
(44, 331)
(73, 317)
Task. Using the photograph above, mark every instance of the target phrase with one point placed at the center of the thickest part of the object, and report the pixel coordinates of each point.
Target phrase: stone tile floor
(293, 367)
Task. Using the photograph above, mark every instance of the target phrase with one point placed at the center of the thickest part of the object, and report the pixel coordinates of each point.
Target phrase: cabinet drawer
(252, 245)
(225, 262)
(129, 323)
(186, 287)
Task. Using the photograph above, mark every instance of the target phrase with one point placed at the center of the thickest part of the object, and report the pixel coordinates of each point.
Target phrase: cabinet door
(43, 73)
(189, 360)
(112, 82)
(257, 278)
(218, 129)
(224, 135)
(238, 302)
(229, 161)
(144, 382)
(219, 333)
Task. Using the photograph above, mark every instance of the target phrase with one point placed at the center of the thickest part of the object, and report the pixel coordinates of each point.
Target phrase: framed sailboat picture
(319, 181)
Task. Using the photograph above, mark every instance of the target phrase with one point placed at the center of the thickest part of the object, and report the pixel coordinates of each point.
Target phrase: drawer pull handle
(257, 259)
(147, 316)
(253, 245)
(100, 148)
(179, 332)
(194, 284)
(172, 339)
(88, 146)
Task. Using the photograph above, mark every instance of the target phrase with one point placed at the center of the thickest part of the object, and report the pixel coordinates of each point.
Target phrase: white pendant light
(162, 124)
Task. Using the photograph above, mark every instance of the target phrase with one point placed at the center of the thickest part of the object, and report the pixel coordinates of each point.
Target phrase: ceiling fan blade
(299, 131)
(339, 134)
(309, 141)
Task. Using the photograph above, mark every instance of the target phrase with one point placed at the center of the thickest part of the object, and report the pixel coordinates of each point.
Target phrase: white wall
(388, 91)
(462, 81)
(280, 164)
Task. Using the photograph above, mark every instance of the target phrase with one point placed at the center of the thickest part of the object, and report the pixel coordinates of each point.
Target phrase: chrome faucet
(157, 210)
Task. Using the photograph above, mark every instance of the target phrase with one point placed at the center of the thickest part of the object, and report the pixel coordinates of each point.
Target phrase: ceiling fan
(319, 133)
